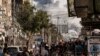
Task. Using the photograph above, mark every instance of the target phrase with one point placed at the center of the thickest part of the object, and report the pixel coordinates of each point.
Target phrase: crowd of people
(75, 48)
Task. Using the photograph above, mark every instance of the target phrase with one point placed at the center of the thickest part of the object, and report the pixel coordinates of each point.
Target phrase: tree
(54, 33)
(43, 21)
(31, 22)
(42, 17)
(25, 16)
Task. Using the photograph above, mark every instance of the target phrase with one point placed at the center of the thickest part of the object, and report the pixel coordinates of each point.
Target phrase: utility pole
(66, 26)
(49, 37)
(13, 20)
(58, 24)
(58, 31)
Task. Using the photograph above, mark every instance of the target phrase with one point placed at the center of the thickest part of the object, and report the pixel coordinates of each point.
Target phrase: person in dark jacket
(25, 52)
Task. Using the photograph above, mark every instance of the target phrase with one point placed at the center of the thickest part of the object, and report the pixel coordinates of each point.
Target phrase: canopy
(96, 31)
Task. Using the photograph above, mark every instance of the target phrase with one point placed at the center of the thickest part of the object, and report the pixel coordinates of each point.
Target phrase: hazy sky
(58, 8)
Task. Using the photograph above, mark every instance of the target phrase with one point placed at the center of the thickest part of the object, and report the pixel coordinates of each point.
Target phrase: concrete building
(15, 6)
(8, 22)
(89, 12)
(5, 18)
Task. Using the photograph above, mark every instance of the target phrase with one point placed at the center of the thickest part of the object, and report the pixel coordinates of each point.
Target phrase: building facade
(9, 28)
(89, 12)
(5, 18)
(5, 9)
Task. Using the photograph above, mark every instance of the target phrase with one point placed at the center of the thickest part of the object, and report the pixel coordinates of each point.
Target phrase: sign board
(81, 8)
(78, 8)
(79, 3)
(81, 12)
(94, 45)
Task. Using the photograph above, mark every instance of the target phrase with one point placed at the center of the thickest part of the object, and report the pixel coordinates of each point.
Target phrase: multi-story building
(5, 9)
(88, 11)
(8, 10)
(5, 17)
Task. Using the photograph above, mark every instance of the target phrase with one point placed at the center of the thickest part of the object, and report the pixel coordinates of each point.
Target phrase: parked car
(14, 50)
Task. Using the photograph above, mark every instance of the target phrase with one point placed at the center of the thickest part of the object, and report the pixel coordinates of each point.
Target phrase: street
(49, 27)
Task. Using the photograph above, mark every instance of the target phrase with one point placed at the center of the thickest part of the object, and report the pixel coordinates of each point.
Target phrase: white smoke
(58, 8)
(96, 31)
